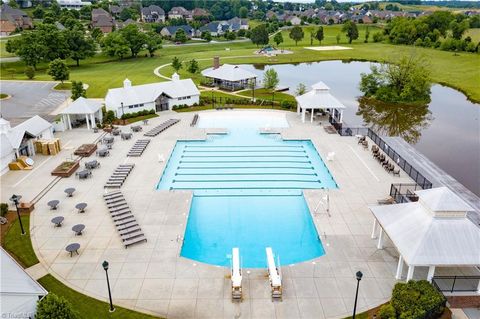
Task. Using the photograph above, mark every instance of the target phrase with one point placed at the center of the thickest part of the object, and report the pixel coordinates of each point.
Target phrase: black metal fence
(456, 283)
(418, 178)
(404, 193)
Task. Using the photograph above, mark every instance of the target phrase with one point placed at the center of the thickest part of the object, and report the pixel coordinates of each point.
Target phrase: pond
(447, 132)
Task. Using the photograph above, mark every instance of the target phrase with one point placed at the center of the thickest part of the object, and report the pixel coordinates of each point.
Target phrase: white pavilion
(89, 109)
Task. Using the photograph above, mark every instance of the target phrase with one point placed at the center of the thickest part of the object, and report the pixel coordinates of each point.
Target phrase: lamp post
(213, 103)
(359, 277)
(16, 200)
(105, 267)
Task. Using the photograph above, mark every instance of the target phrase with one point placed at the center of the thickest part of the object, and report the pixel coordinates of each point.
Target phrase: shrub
(109, 117)
(3, 209)
(417, 299)
(29, 72)
(286, 104)
(52, 306)
(471, 47)
(387, 312)
(418, 42)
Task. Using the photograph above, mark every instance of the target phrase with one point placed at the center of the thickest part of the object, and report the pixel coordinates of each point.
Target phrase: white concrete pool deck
(152, 278)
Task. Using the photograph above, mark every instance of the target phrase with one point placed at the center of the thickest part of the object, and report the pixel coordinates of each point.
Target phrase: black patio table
(116, 132)
(81, 207)
(92, 164)
(69, 191)
(57, 221)
(53, 204)
(136, 128)
(108, 140)
(102, 152)
(73, 248)
(78, 229)
(84, 174)
(126, 136)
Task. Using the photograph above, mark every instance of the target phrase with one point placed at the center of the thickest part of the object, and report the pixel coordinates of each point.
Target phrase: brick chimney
(216, 62)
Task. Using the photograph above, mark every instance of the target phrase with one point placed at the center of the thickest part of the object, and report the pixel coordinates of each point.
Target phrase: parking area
(29, 99)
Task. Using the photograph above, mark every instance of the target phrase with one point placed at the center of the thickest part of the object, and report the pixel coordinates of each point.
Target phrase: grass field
(267, 95)
(474, 34)
(20, 246)
(101, 73)
(87, 307)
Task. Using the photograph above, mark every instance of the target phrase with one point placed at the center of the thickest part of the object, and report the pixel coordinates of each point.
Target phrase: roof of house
(210, 27)
(7, 10)
(15, 281)
(199, 12)
(99, 12)
(150, 92)
(174, 28)
(319, 98)
(152, 9)
(178, 11)
(33, 126)
(229, 72)
(103, 21)
(426, 238)
(83, 106)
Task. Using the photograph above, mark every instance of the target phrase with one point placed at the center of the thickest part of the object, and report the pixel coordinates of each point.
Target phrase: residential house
(153, 13)
(102, 19)
(159, 96)
(115, 10)
(73, 4)
(294, 20)
(169, 31)
(12, 19)
(122, 24)
(199, 12)
(238, 24)
(179, 13)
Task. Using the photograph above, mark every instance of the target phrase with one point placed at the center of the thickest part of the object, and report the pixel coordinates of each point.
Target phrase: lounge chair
(387, 201)
(396, 172)
(274, 275)
(236, 275)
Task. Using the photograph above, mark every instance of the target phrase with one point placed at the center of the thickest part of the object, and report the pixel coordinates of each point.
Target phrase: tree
(154, 42)
(52, 306)
(114, 44)
(29, 72)
(12, 3)
(58, 70)
(350, 28)
(270, 81)
(38, 12)
(459, 28)
(243, 12)
(54, 41)
(319, 34)
(79, 44)
(296, 34)
(28, 47)
(206, 36)
(97, 34)
(278, 38)
(180, 36)
(367, 35)
(338, 38)
(312, 36)
(78, 90)
(259, 35)
(134, 38)
(301, 89)
(176, 64)
(192, 66)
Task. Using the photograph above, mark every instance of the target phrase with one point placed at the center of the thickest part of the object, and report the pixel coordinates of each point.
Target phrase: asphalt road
(29, 99)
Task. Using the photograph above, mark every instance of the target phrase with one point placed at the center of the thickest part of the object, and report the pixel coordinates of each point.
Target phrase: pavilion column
(410, 271)
(92, 116)
(298, 108)
(341, 116)
(431, 273)
(399, 268)
(303, 115)
(311, 116)
(374, 229)
(69, 122)
(88, 121)
(478, 288)
(380, 239)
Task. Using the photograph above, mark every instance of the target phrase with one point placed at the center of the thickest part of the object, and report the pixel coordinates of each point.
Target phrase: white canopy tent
(319, 98)
(19, 292)
(89, 108)
(434, 231)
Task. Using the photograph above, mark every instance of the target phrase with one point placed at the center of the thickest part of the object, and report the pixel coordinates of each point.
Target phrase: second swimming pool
(247, 191)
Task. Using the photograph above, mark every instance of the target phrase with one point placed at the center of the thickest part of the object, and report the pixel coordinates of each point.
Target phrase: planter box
(63, 171)
(85, 150)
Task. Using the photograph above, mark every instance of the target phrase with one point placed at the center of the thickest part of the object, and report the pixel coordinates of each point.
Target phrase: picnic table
(73, 248)
(78, 229)
(81, 207)
(69, 191)
(53, 204)
(92, 164)
(57, 221)
(84, 174)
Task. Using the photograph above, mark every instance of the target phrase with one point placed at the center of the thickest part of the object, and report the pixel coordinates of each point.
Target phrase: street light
(105, 267)
(359, 277)
(213, 102)
(16, 200)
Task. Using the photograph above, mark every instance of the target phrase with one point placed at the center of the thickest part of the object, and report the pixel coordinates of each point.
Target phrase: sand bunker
(328, 48)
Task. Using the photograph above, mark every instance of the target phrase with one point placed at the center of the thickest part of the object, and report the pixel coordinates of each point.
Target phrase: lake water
(447, 131)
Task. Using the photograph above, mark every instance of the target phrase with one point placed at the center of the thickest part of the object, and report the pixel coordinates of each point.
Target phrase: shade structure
(319, 98)
(230, 76)
(83, 107)
(434, 231)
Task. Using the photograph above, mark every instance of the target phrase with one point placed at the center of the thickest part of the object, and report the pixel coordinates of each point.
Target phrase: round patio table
(53, 204)
(69, 191)
(83, 174)
(81, 207)
(57, 221)
(78, 229)
(73, 248)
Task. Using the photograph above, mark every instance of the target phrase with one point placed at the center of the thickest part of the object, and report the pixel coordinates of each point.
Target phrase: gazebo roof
(229, 72)
(83, 106)
(426, 236)
(319, 98)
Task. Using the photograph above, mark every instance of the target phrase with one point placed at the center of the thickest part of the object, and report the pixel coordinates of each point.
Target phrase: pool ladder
(179, 239)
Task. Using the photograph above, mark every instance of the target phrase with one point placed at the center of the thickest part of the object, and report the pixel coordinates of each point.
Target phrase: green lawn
(63, 86)
(267, 95)
(87, 307)
(20, 246)
(474, 34)
(101, 73)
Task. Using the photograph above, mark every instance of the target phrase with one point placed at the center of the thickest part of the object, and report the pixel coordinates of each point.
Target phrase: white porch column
(311, 116)
(298, 108)
(399, 268)
(88, 122)
(303, 115)
(69, 122)
(431, 273)
(410, 271)
(380, 239)
(478, 288)
(374, 229)
(92, 116)
(341, 116)
(100, 116)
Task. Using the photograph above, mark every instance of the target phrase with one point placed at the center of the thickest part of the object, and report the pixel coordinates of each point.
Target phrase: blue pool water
(247, 191)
